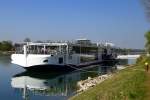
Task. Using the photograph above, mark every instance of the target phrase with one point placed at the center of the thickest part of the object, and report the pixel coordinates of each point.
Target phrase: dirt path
(148, 85)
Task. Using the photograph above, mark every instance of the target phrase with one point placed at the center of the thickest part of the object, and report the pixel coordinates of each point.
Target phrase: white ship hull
(39, 59)
(33, 61)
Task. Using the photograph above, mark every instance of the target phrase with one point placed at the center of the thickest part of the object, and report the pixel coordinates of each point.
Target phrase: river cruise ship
(59, 55)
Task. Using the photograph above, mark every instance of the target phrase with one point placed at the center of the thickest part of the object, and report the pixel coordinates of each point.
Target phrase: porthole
(45, 60)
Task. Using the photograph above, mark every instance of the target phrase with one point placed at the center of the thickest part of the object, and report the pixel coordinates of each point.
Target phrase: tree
(146, 4)
(27, 40)
(147, 45)
(6, 46)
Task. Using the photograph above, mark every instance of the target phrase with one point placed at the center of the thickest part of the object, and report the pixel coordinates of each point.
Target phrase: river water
(19, 84)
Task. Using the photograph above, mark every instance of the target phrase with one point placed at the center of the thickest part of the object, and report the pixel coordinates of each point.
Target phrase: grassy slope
(127, 84)
(147, 97)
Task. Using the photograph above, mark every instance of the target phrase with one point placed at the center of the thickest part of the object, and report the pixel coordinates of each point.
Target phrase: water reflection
(45, 84)
(5, 60)
(126, 61)
(53, 83)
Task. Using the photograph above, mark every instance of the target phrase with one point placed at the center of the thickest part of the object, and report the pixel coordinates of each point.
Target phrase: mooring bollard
(146, 66)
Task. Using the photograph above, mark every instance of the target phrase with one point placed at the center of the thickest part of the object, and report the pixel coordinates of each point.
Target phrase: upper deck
(80, 46)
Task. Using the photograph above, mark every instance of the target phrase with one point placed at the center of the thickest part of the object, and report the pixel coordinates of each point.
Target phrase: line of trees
(6, 46)
(9, 46)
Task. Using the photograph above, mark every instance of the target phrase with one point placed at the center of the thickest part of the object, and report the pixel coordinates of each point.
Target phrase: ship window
(60, 60)
(70, 57)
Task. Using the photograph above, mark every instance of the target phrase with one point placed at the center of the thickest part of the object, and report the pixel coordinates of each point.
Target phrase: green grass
(127, 84)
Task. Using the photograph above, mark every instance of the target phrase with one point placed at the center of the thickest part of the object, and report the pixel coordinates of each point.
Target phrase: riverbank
(6, 53)
(91, 82)
(126, 84)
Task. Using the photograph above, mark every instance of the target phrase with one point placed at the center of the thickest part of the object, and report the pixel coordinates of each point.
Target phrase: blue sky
(122, 22)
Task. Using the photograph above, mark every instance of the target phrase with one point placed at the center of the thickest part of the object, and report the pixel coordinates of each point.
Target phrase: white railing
(128, 56)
